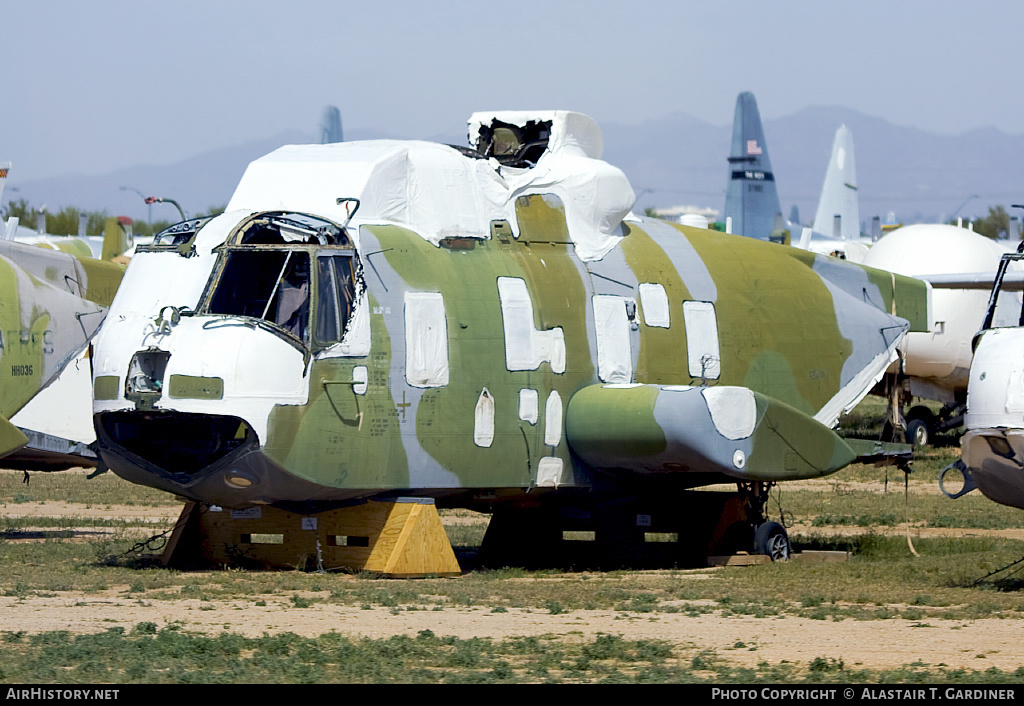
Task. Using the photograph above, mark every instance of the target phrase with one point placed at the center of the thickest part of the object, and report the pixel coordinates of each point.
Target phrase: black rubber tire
(919, 433)
(771, 540)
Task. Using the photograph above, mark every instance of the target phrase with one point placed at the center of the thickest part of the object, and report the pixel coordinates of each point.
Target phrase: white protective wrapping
(596, 195)
(426, 340)
(614, 355)
(438, 193)
(427, 187)
(654, 302)
(526, 347)
(702, 340)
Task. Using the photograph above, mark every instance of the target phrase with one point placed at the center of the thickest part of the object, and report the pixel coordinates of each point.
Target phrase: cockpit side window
(336, 295)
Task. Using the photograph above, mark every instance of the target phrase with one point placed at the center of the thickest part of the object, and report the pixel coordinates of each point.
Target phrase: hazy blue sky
(93, 86)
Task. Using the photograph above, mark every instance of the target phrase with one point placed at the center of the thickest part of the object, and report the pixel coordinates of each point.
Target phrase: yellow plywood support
(402, 538)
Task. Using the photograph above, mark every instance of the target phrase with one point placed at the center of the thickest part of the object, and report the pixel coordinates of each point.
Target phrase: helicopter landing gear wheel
(771, 540)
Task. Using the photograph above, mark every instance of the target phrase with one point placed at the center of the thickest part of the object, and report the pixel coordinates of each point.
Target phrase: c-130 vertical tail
(751, 200)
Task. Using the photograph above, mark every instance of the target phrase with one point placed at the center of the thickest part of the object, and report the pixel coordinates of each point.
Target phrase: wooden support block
(403, 538)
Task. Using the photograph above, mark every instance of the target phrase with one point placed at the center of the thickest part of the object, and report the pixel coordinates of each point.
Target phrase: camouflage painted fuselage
(527, 337)
(51, 304)
(792, 327)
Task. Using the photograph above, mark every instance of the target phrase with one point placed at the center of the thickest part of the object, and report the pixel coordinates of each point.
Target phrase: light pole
(957, 212)
(157, 199)
(149, 216)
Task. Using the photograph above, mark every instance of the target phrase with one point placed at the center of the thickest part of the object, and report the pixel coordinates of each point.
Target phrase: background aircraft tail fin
(751, 199)
(4, 168)
(330, 126)
(117, 237)
(839, 192)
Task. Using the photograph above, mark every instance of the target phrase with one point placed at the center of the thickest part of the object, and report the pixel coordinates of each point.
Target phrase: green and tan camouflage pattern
(795, 331)
(51, 304)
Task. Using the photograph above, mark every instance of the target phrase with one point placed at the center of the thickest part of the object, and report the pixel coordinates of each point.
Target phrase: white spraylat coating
(526, 347)
(654, 302)
(549, 472)
(483, 417)
(360, 376)
(733, 410)
(356, 342)
(705, 361)
(529, 405)
(614, 354)
(553, 419)
(426, 340)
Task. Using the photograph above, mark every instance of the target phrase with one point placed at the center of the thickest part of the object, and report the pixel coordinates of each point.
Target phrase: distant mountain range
(673, 161)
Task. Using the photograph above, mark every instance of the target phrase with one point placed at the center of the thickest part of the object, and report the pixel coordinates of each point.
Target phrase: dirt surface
(739, 639)
(873, 644)
(135, 514)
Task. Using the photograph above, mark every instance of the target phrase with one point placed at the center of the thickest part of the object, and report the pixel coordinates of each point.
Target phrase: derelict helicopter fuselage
(484, 327)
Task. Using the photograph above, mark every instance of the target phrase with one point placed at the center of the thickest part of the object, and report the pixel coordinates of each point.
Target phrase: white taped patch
(733, 410)
(359, 377)
(426, 340)
(705, 360)
(654, 302)
(611, 322)
(549, 472)
(553, 419)
(526, 347)
(529, 406)
(483, 429)
(356, 341)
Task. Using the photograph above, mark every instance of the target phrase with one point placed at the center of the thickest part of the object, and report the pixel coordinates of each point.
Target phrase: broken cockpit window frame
(514, 145)
(265, 272)
(180, 236)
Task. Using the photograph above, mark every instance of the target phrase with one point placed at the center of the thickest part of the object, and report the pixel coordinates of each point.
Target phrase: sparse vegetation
(953, 578)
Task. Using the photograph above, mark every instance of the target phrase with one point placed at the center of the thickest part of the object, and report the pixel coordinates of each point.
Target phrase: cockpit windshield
(293, 271)
(273, 286)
